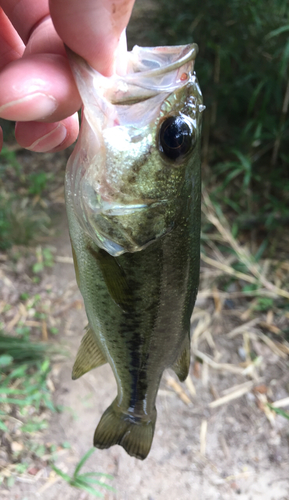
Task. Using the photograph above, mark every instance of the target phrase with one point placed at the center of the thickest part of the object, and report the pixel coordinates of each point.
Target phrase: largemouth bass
(133, 190)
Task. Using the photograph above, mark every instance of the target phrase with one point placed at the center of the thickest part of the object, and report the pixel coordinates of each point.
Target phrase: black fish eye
(176, 137)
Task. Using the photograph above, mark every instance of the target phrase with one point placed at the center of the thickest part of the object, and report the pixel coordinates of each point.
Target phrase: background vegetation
(243, 71)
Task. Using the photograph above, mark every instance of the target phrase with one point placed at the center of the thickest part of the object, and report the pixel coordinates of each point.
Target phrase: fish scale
(136, 251)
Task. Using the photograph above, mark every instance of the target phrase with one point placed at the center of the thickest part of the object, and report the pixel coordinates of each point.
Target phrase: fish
(133, 195)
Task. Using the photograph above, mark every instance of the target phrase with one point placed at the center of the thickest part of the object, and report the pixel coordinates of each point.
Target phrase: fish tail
(132, 433)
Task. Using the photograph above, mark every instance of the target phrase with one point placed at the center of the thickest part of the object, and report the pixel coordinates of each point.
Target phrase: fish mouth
(147, 68)
(155, 69)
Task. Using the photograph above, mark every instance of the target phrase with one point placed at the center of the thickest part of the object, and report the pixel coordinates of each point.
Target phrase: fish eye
(176, 137)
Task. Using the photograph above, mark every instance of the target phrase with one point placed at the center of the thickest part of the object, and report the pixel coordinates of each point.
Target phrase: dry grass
(228, 325)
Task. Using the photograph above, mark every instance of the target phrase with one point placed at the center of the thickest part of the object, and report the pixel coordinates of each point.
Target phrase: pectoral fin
(182, 365)
(114, 278)
(89, 355)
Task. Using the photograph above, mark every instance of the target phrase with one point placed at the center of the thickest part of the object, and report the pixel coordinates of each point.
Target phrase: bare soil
(238, 450)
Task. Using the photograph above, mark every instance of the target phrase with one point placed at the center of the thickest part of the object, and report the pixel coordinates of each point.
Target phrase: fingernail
(49, 141)
(31, 107)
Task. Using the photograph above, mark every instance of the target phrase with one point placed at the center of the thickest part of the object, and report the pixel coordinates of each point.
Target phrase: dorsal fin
(114, 277)
(89, 355)
(182, 364)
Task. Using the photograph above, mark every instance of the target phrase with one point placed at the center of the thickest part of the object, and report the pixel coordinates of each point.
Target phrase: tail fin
(134, 435)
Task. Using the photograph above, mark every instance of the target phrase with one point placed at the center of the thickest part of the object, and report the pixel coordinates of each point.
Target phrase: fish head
(138, 153)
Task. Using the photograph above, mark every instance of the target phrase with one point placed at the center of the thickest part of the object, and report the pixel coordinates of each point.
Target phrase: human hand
(37, 89)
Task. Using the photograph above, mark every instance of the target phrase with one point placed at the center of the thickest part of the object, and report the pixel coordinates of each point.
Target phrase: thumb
(92, 28)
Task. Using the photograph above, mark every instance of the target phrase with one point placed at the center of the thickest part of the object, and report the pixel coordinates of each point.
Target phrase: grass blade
(85, 487)
(82, 461)
(64, 476)
(283, 413)
(100, 474)
(91, 480)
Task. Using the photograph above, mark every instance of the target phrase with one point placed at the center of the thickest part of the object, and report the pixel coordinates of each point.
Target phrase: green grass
(86, 481)
(24, 368)
(278, 411)
(22, 350)
(20, 221)
(25, 394)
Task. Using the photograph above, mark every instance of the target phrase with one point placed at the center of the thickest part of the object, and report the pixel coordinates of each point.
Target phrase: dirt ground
(234, 451)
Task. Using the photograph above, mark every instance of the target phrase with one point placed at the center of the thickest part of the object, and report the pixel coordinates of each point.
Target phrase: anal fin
(89, 355)
(182, 364)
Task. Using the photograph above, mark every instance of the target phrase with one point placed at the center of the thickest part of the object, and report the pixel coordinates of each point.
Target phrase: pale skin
(37, 89)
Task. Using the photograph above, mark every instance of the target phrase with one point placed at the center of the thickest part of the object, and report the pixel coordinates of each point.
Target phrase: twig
(263, 405)
(240, 475)
(240, 329)
(44, 331)
(224, 445)
(243, 255)
(235, 388)
(52, 479)
(228, 269)
(32, 323)
(270, 344)
(281, 403)
(190, 386)
(64, 259)
(205, 374)
(202, 325)
(260, 292)
(271, 328)
(217, 300)
(203, 436)
(217, 366)
(13, 322)
(178, 390)
(283, 347)
(240, 391)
